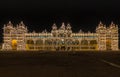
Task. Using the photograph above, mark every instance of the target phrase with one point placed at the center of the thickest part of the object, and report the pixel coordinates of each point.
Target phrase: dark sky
(41, 14)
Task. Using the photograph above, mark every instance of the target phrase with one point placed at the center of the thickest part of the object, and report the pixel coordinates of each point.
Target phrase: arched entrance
(39, 44)
(14, 44)
(48, 44)
(60, 45)
(30, 44)
(108, 44)
(93, 44)
(84, 44)
(63, 48)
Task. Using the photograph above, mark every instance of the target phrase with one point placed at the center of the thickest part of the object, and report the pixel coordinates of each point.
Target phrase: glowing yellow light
(14, 44)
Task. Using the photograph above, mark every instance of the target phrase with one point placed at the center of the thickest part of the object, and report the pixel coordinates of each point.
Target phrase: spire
(68, 26)
(54, 26)
(100, 24)
(9, 22)
(105, 26)
(80, 31)
(63, 26)
(112, 24)
(21, 23)
(45, 31)
(116, 26)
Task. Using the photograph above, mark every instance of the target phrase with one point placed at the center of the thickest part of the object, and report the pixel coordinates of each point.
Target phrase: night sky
(41, 14)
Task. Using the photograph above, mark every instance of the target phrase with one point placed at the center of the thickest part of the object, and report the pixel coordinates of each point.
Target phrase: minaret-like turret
(68, 27)
(54, 30)
(113, 36)
(8, 29)
(69, 31)
(21, 28)
(21, 31)
(54, 27)
(63, 26)
(101, 31)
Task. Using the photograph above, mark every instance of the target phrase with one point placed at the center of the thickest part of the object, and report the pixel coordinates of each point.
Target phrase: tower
(54, 30)
(69, 31)
(62, 30)
(113, 36)
(101, 31)
(7, 31)
(62, 26)
(21, 30)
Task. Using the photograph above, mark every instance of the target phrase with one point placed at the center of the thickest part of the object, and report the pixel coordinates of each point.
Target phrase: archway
(63, 48)
(84, 44)
(30, 44)
(76, 42)
(14, 44)
(93, 44)
(39, 44)
(48, 44)
(108, 44)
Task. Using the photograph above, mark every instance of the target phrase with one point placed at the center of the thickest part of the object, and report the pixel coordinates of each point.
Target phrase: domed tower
(21, 30)
(62, 26)
(69, 31)
(54, 30)
(113, 36)
(7, 34)
(101, 31)
(62, 30)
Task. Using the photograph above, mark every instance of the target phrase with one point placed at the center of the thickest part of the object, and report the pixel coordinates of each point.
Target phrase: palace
(60, 39)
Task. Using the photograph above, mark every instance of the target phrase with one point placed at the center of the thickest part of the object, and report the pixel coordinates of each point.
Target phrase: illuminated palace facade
(59, 39)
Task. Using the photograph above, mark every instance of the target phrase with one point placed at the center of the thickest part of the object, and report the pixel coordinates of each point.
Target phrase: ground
(59, 64)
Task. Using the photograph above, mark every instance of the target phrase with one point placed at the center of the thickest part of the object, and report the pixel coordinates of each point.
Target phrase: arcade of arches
(61, 44)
